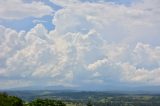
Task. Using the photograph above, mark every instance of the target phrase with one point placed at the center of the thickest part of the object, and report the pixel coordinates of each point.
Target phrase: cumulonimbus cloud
(96, 43)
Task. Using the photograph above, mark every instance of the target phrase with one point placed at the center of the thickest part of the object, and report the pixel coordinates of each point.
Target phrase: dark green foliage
(46, 102)
(89, 103)
(6, 100)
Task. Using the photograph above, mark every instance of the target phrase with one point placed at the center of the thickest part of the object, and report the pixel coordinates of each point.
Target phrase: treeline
(6, 100)
(45, 102)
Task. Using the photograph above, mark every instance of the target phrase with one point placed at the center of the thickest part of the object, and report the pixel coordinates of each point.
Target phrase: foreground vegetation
(6, 100)
(45, 102)
(53, 98)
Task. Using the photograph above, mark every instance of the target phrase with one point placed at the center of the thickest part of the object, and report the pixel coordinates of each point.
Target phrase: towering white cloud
(95, 42)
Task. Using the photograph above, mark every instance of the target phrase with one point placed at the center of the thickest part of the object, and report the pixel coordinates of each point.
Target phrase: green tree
(6, 100)
(46, 102)
(89, 103)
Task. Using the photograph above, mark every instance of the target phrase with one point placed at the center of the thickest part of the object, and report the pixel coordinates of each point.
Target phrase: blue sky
(79, 44)
(27, 23)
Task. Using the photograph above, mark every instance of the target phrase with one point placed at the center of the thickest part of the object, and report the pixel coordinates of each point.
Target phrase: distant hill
(124, 89)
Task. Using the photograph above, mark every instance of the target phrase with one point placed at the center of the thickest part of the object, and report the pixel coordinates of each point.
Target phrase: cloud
(65, 2)
(14, 84)
(97, 64)
(36, 21)
(119, 43)
(130, 23)
(73, 2)
(140, 75)
(18, 9)
(146, 56)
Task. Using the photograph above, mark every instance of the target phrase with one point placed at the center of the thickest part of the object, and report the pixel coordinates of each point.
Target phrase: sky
(79, 44)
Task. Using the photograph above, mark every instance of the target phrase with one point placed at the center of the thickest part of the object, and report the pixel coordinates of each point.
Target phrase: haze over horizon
(85, 44)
